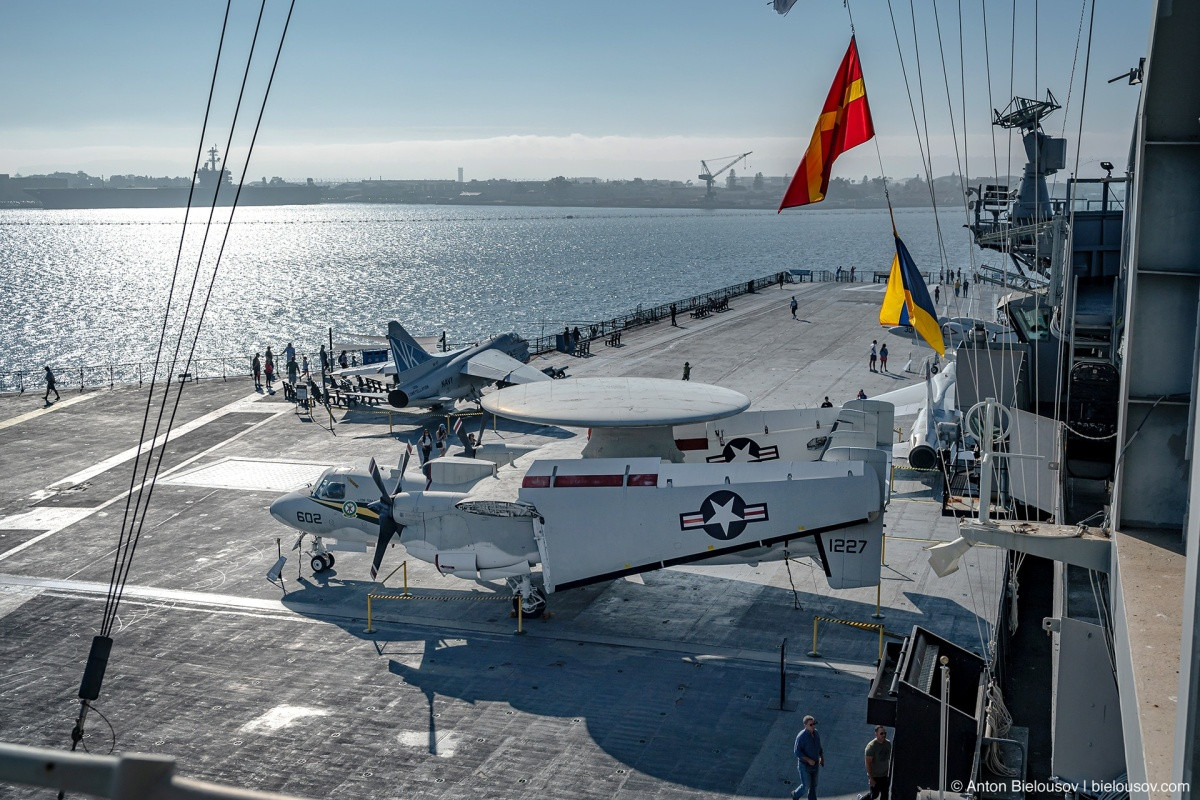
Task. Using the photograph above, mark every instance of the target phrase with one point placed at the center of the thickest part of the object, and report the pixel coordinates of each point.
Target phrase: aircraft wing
(493, 365)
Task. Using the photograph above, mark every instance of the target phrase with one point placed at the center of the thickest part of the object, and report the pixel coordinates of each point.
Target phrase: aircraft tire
(330, 560)
(319, 564)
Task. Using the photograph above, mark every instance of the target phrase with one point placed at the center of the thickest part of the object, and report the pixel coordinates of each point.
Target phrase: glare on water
(90, 287)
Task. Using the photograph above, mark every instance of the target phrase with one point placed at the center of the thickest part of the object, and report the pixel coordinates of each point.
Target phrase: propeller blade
(387, 529)
(403, 466)
(383, 492)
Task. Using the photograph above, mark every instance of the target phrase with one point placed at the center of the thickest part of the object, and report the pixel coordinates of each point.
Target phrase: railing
(131, 776)
(599, 329)
(110, 375)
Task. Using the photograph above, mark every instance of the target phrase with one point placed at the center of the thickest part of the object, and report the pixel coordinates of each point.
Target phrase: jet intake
(397, 398)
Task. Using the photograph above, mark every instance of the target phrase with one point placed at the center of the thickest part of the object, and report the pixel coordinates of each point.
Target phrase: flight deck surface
(664, 684)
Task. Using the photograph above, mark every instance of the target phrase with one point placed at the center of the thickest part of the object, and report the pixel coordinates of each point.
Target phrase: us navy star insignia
(723, 515)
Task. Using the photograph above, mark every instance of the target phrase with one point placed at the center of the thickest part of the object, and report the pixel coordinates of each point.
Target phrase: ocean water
(84, 288)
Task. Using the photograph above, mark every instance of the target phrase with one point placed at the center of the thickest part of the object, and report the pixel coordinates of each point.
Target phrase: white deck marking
(47, 518)
(249, 474)
(444, 745)
(281, 717)
(28, 415)
(85, 512)
(242, 405)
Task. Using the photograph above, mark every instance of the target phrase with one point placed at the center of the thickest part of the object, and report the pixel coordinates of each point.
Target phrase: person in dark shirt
(810, 757)
(50, 387)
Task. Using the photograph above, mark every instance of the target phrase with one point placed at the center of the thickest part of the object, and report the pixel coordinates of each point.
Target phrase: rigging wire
(1063, 355)
(146, 491)
(122, 546)
(1071, 81)
(878, 153)
(133, 522)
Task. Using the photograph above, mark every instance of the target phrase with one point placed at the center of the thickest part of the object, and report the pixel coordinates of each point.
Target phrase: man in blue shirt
(809, 758)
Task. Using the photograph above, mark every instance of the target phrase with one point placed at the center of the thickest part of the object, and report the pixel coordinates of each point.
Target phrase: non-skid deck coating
(663, 685)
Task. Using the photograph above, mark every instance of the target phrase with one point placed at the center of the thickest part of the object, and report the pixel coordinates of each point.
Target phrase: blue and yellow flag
(907, 300)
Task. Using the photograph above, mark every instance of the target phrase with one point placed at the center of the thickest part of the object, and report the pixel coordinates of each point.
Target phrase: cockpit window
(331, 490)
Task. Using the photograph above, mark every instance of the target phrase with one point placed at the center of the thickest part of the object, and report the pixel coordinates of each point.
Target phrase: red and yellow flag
(845, 122)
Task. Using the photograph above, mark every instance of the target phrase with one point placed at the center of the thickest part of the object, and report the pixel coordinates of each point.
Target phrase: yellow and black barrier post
(866, 626)
(879, 586)
(370, 596)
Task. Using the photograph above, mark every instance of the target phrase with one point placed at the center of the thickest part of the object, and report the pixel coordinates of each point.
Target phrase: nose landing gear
(320, 559)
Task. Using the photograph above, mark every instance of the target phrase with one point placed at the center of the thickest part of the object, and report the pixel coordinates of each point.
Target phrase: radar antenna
(1026, 114)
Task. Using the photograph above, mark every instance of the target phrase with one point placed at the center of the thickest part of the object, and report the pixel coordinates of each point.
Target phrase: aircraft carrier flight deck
(665, 684)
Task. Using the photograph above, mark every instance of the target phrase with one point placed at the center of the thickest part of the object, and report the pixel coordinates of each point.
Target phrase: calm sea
(89, 287)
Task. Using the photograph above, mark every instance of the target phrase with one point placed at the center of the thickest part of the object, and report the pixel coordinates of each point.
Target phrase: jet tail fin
(405, 350)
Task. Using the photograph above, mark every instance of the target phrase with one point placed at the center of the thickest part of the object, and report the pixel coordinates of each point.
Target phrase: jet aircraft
(424, 379)
(621, 499)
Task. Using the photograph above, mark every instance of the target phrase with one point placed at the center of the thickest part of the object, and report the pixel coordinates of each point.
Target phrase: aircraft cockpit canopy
(331, 489)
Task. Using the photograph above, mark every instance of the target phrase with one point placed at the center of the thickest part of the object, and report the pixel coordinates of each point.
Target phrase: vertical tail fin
(405, 350)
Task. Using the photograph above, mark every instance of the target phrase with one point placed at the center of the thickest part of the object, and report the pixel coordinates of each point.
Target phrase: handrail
(133, 776)
(97, 376)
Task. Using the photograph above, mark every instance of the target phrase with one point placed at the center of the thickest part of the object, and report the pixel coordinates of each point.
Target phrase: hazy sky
(535, 89)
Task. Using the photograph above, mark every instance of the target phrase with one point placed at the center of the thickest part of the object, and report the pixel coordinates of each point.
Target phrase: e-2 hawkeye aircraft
(424, 379)
(618, 501)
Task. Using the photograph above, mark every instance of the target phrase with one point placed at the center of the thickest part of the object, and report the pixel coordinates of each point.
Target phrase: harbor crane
(709, 177)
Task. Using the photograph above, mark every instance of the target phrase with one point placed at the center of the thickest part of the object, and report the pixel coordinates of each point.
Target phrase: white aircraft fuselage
(586, 520)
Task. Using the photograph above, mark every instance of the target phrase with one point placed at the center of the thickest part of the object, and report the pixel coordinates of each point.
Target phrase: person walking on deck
(810, 757)
(794, 305)
(687, 370)
(878, 760)
(50, 385)
(874, 353)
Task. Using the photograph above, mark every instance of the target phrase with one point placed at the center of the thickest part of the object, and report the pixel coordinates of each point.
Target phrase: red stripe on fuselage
(581, 481)
(590, 481)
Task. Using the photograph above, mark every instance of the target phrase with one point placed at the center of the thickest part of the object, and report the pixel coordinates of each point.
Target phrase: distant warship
(211, 180)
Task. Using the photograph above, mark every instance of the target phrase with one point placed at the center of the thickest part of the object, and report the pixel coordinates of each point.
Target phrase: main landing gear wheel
(532, 606)
(321, 562)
